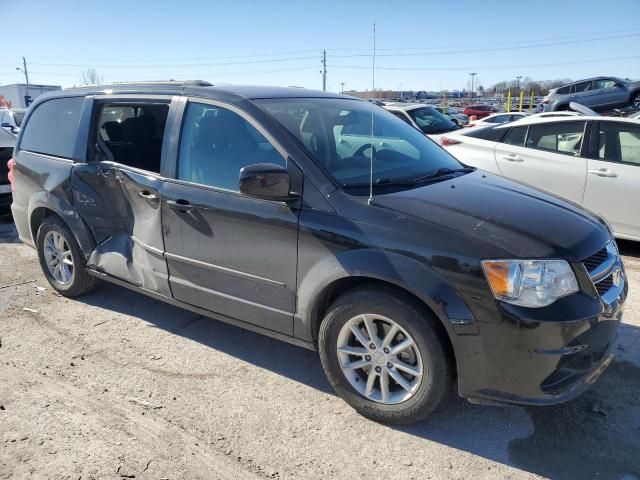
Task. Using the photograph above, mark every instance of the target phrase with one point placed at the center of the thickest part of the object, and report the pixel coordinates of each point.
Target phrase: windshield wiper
(410, 182)
(383, 182)
(442, 172)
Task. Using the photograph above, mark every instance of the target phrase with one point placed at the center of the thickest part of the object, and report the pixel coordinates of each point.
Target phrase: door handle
(513, 158)
(603, 172)
(147, 195)
(180, 205)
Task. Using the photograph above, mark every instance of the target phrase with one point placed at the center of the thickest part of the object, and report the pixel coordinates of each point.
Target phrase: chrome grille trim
(601, 267)
(602, 270)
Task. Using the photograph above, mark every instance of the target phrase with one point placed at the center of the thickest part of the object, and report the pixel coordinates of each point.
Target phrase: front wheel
(385, 355)
(635, 101)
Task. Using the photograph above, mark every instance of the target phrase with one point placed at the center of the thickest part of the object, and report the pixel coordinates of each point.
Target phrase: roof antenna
(373, 106)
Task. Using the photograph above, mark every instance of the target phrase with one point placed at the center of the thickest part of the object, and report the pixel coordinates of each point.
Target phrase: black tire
(81, 282)
(422, 326)
(635, 100)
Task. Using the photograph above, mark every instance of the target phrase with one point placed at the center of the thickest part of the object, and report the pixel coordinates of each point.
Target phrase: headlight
(530, 283)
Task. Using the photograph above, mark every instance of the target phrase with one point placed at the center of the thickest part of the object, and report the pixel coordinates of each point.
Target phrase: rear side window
(516, 136)
(491, 134)
(564, 90)
(619, 142)
(131, 134)
(52, 127)
(564, 137)
(582, 87)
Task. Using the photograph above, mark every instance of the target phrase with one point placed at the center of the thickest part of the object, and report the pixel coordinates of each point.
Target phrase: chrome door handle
(513, 158)
(603, 172)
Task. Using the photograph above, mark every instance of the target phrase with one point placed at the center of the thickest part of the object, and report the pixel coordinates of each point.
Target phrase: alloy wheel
(379, 358)
(57, 255)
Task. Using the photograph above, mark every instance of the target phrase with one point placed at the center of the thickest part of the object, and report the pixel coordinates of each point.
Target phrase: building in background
(20, 95)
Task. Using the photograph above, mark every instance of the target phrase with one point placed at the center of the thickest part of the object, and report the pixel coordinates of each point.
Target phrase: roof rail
(177, 83)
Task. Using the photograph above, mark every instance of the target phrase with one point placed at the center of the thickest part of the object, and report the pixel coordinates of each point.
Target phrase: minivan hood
(518, 221)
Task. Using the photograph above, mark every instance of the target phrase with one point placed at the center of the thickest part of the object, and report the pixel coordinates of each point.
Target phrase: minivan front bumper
(542, 356)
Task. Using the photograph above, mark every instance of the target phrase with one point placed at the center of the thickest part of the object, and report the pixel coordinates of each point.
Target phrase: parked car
(11, 118)
(453, 114)
(599, 93)
(254, 206)
(498, 118)
(480, 111)
(591, 160)
(425, 118)
(7, 142)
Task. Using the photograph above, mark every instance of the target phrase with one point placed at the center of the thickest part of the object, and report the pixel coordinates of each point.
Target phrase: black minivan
(265, 208)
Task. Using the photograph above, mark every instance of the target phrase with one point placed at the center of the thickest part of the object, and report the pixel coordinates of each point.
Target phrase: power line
(496, 49)
(494, 44)
(252, 72)
(165, 59)
(221, 64)
(484, 67)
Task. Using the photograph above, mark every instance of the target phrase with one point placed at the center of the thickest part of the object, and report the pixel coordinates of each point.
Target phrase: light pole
(473, 76)
(24, 70)
(342, 87)
(518, 79)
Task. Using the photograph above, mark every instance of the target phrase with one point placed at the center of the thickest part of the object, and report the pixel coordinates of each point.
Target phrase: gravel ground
(116, 385)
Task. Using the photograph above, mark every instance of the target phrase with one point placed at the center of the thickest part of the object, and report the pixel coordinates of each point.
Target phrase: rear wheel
(635, 102)
(385, 356)
(61, 260)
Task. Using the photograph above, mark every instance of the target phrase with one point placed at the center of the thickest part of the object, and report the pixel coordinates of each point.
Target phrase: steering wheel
(364, 148)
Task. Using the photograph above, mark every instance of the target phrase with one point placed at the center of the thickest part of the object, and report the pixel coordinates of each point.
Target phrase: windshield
(18, 116)
(431, 121)
(337, 134)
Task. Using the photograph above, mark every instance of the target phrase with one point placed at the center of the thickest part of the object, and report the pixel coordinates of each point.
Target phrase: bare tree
(92, 77)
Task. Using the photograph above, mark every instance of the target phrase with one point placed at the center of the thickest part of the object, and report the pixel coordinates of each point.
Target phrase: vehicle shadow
(595, 435)
(8, 232)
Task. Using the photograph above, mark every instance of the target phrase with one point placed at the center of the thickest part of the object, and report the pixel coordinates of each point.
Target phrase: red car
(480, 111)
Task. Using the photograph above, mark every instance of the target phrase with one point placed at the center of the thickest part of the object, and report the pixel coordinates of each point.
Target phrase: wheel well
(37, 217)
(343, 285)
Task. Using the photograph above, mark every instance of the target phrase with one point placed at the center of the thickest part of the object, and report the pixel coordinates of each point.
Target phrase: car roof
(197, 88)
(406, 106)
(601, 77)
(577, 118)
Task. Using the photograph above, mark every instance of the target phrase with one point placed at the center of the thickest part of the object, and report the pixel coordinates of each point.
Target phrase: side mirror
(267, 181)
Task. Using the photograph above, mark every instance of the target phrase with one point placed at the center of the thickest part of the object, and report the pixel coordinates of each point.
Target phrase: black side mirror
(267, 181)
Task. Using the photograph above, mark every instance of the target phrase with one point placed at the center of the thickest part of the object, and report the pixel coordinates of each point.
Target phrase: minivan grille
(595, 260)
(604, 285)
(602, 266)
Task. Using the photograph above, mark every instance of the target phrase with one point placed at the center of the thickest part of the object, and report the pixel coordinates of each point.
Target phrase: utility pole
(342, 87)
(24, 70)
(473, 76)
(324, 70)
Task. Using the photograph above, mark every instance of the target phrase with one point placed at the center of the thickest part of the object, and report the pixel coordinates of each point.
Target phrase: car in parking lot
(497, 118)
(260, 207)
(453, 114)
(480, 110)
(425, 118)
(599, 93)
(593, 161)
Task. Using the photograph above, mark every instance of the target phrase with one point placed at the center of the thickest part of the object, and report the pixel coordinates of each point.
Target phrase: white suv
(593, 161)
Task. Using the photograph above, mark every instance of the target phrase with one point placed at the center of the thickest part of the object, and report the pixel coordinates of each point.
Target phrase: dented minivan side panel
(122, 208)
